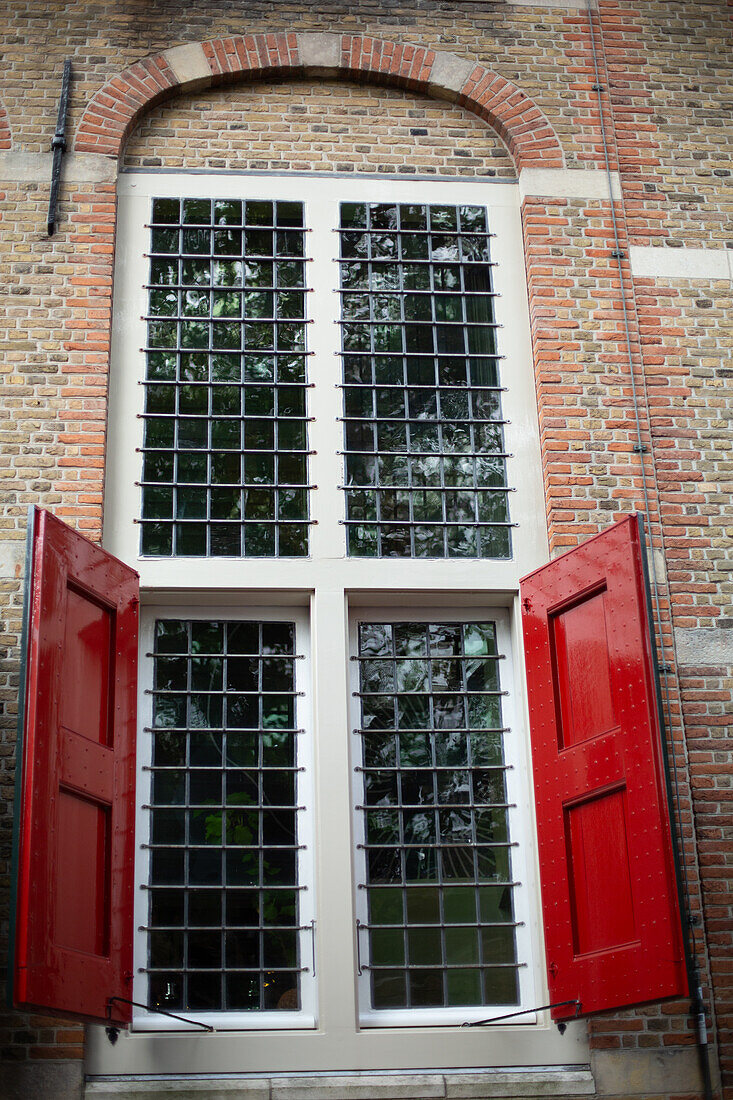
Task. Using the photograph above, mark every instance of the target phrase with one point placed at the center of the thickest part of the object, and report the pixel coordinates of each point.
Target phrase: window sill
(516, 1083)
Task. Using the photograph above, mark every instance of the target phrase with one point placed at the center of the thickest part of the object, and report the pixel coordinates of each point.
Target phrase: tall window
(312, 462)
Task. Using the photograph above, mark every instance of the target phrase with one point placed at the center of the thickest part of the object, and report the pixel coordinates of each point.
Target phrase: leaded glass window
(436, 847)
(301, 371)
(225, 468)
(423, 427)
(223, 916)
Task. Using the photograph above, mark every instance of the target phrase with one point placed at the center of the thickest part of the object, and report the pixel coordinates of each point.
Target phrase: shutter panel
(74, 905)
(610, 905)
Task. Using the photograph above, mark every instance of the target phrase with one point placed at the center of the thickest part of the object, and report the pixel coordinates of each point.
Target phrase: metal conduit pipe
(698, 1008)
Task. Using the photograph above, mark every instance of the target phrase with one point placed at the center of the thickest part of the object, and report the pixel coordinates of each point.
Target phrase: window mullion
(324, 398)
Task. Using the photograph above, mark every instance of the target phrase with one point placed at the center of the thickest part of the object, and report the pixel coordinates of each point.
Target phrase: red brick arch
(114, 110)
(5, 141)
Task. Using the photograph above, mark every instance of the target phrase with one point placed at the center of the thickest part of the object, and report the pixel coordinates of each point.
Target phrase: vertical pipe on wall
(698, 1005)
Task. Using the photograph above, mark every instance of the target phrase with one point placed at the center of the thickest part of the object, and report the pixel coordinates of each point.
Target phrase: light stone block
(660, 567)
(180, 1089)
(319, 53)
(642, 1073)
(681, 263)
(705, 646)
(20, 167)
(52, 1080)
(12, 557)
(568, 183)
(189, 65)
(516, 1084)
(448, 75)
(409, 1086)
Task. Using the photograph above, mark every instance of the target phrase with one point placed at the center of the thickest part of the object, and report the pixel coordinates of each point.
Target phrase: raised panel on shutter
(611, 912)
(73, 913)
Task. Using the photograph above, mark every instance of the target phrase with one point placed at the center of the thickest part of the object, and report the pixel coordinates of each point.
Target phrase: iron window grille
(423, 426)
(225, 442)
(436, 848)
(223, 924)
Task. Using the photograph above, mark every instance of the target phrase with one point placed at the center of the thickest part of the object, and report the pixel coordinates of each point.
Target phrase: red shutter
(74, 906)
(609, 897)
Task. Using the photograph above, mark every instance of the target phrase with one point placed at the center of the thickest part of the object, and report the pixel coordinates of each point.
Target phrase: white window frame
(333, 587)
(227, 1021)
(518, 795)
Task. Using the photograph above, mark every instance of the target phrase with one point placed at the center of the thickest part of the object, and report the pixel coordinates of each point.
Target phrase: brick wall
(318, 126)
(666, 71)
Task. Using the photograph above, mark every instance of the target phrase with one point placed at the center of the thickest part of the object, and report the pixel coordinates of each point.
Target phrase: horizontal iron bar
(422, 884)
(374, 231)
(225, 847)
(442, 422)
(372, 292)
(434, 768)
(224, 227)
(434, 806)
(223, 970)
(224, 691)
(413, 454)
(429, 691)
(403, 322)
(229, 523)
(252, 656)
(432, 731)
(402, 261)
(271, 486)
(438, 387)
(281, 453)
(233, 258)
(223, 927)
(444, 966)
(240, 351)
(214, 729)
(229, 888)
(419, 489)
(209, 318)
(270, 384)
(438, 524)
(241, 418)
(220, 769)
(410, 354)
(221, 288)
(438, 846)
(436, 657)
(445, 924)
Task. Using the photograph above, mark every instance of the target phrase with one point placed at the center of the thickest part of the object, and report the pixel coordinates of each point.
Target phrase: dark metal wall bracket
(58, 148)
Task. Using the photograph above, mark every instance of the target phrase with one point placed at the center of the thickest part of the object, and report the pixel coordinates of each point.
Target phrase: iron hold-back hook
(113, 1033)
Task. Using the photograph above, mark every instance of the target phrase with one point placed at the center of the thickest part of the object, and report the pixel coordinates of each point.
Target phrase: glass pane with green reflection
(224, 836)
(418, 309)
(437, 867)
(225, 358)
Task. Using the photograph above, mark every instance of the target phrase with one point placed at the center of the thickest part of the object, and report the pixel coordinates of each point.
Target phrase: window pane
(422, 411)
(225, 374)
(437, 863)
(224, 883)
